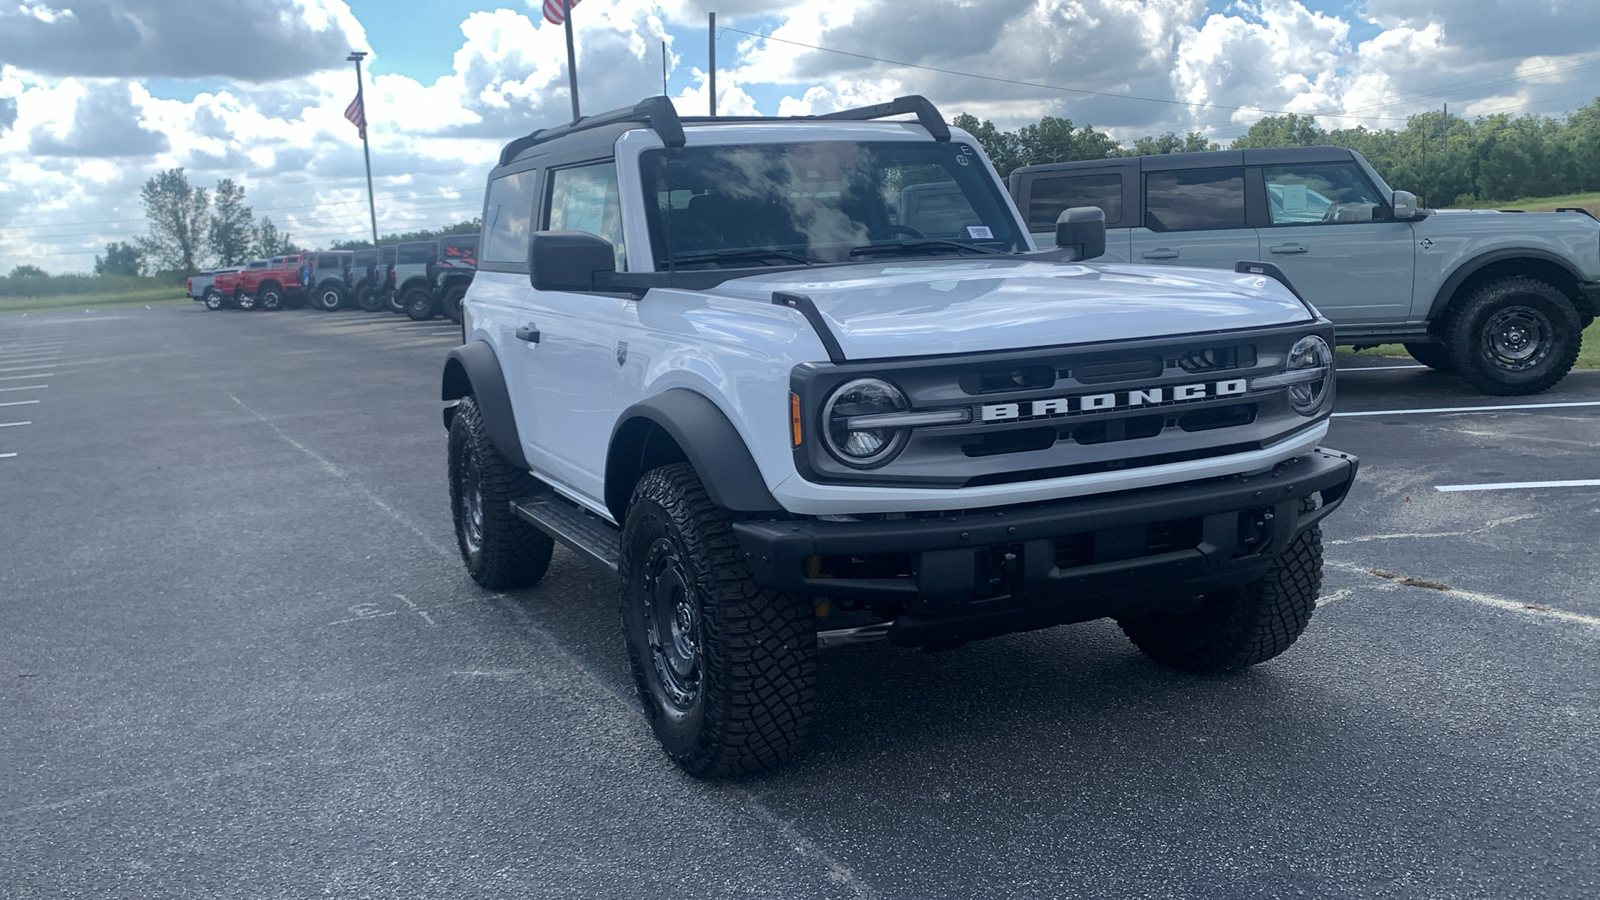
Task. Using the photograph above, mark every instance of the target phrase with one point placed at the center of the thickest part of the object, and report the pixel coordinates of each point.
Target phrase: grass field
(1588, 357)
(91, 301)
(1591, 202)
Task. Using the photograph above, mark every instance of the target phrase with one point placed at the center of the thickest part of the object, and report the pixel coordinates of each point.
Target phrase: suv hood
(965, 306)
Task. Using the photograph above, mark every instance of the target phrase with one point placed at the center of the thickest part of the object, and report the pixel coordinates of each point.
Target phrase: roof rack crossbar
(656, 113)
(927, 114)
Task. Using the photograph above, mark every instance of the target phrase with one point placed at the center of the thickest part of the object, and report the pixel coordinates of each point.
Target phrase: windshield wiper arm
(922, 245)
(752, 253)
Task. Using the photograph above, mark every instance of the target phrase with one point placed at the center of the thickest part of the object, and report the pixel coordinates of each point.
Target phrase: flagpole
(572, 59)
(366, 151)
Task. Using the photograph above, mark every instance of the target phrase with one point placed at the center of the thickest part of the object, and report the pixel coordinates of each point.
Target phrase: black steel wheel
(419, 305)
(328, 298)
(212, 299)
(368, 299)
(451, 304)
(724, 668)
(500, 550)
(1434, 356)
(1515, 336)
(270, 299)
(1238, 628)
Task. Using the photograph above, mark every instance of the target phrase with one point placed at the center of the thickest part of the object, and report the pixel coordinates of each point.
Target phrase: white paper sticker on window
(1294, 198)
(979, 232)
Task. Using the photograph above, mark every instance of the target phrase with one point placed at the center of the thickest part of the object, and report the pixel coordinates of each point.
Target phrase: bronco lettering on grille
(1083, 403)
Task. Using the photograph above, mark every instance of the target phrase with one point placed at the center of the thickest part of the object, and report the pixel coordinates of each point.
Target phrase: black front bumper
(985, 572)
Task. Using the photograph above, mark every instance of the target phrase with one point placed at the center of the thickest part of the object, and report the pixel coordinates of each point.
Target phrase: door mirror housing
(1404, 204)
(568, 260)
(1082, 229)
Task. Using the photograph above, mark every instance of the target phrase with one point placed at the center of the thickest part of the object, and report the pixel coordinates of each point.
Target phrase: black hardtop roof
(1209, 159)
(659, 115)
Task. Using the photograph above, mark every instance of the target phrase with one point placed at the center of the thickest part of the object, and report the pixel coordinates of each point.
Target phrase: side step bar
(583, 532)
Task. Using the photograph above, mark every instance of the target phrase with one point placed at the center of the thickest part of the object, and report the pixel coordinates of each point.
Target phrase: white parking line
(19, 403)
(1466, 409)
(30, 387)
(6, 455)
(22, 377)
(26, 368)
(1517, 485)
(13, 424)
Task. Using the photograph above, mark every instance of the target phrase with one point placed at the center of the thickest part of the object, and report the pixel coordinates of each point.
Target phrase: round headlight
(1309, 354)
(863, 447)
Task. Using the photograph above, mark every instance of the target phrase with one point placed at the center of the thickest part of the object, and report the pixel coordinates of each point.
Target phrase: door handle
(528, 333)
(1288, 248)
(1159, 253)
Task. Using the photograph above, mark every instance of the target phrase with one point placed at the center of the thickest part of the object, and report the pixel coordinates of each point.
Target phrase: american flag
(554, 11)
(357, 115)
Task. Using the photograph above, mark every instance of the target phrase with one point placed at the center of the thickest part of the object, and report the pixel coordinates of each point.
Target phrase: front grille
(1110, 465)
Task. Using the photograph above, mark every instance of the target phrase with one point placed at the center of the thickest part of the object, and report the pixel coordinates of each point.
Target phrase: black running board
(583, 532)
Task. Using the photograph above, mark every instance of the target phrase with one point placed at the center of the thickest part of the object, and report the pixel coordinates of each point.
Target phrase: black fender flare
(1477, 264)
(708, 440)
(474, 369)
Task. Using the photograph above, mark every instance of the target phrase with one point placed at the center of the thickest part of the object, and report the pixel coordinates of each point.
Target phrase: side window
(585, 199)
(1049, 196)
(508, 217)
(1314, 195)
(1195, 200)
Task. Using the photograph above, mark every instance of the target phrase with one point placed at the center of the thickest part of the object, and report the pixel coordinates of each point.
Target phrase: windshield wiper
(752, 253)
(922, 245)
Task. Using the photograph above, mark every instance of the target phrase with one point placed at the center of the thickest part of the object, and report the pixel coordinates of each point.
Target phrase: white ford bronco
(807, 381)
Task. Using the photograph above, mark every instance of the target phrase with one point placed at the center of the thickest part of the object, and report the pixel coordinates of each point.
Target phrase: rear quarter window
(1049, 196)
(1194, 200)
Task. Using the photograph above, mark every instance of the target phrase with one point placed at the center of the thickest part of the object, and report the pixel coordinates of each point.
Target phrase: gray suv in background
(1500, 299)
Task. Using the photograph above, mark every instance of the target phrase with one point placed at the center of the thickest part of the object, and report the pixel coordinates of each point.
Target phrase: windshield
(818, 201)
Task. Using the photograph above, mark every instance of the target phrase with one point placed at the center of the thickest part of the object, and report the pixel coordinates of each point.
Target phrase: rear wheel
(1515, 336)
(1434, 356)
(368, 299)
(419, 304)
(271, 299)
(725, 668)
(452, 303)
(393, 302)
(1234, 629)
(328, 298)
(501, 551)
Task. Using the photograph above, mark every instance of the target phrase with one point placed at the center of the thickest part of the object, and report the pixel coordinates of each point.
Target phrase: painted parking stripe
(1518, 485)
(23, 377)
(29, 368)
(13, 424)
(6, 455)
(30, 387)
(1466, 409)
(19, 403)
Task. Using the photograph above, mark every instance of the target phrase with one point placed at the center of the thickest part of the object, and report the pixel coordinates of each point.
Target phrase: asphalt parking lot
(241, 658)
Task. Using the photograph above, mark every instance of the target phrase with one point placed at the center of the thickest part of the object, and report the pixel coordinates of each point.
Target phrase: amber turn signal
(794, 418)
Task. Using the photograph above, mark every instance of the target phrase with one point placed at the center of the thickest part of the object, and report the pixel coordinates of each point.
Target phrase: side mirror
(1082, 229)
(568, 260)
(1405, 207)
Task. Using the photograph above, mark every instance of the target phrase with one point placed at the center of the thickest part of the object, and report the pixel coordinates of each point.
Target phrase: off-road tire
(451, 304)
(745, 699)
(1234, 629)
(501, 551)
(393, 302)
(368, 299)
(419, 305)
(244, 301)
(212, 299)
(1434, 356)
(1515, 336)
(328, 299)
(270, 299)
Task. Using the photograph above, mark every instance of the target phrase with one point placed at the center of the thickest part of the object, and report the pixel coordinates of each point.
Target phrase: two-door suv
(807, 381)
(1501, 300)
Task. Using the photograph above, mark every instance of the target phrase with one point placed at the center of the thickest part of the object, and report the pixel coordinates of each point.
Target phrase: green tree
(469, 226)
(1287, 130)
(999, 146)
(177, 214)
(1056, 140)
(120, 259)
(1193, 142)
(270, 242)
(232, 225)
(28, 271)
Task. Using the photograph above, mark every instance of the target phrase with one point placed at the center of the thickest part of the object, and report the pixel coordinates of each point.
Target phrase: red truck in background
(227, 283)
(278, 284)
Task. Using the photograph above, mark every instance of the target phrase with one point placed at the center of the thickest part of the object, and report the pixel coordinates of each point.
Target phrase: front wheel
(419, 304)
(501, 551)
(724, 668)
(329, 299)
(1515, 336)
(452, 303)
(1234, 629)
(212, 299)
(244, 301)
(368, 299)
(393, 302)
